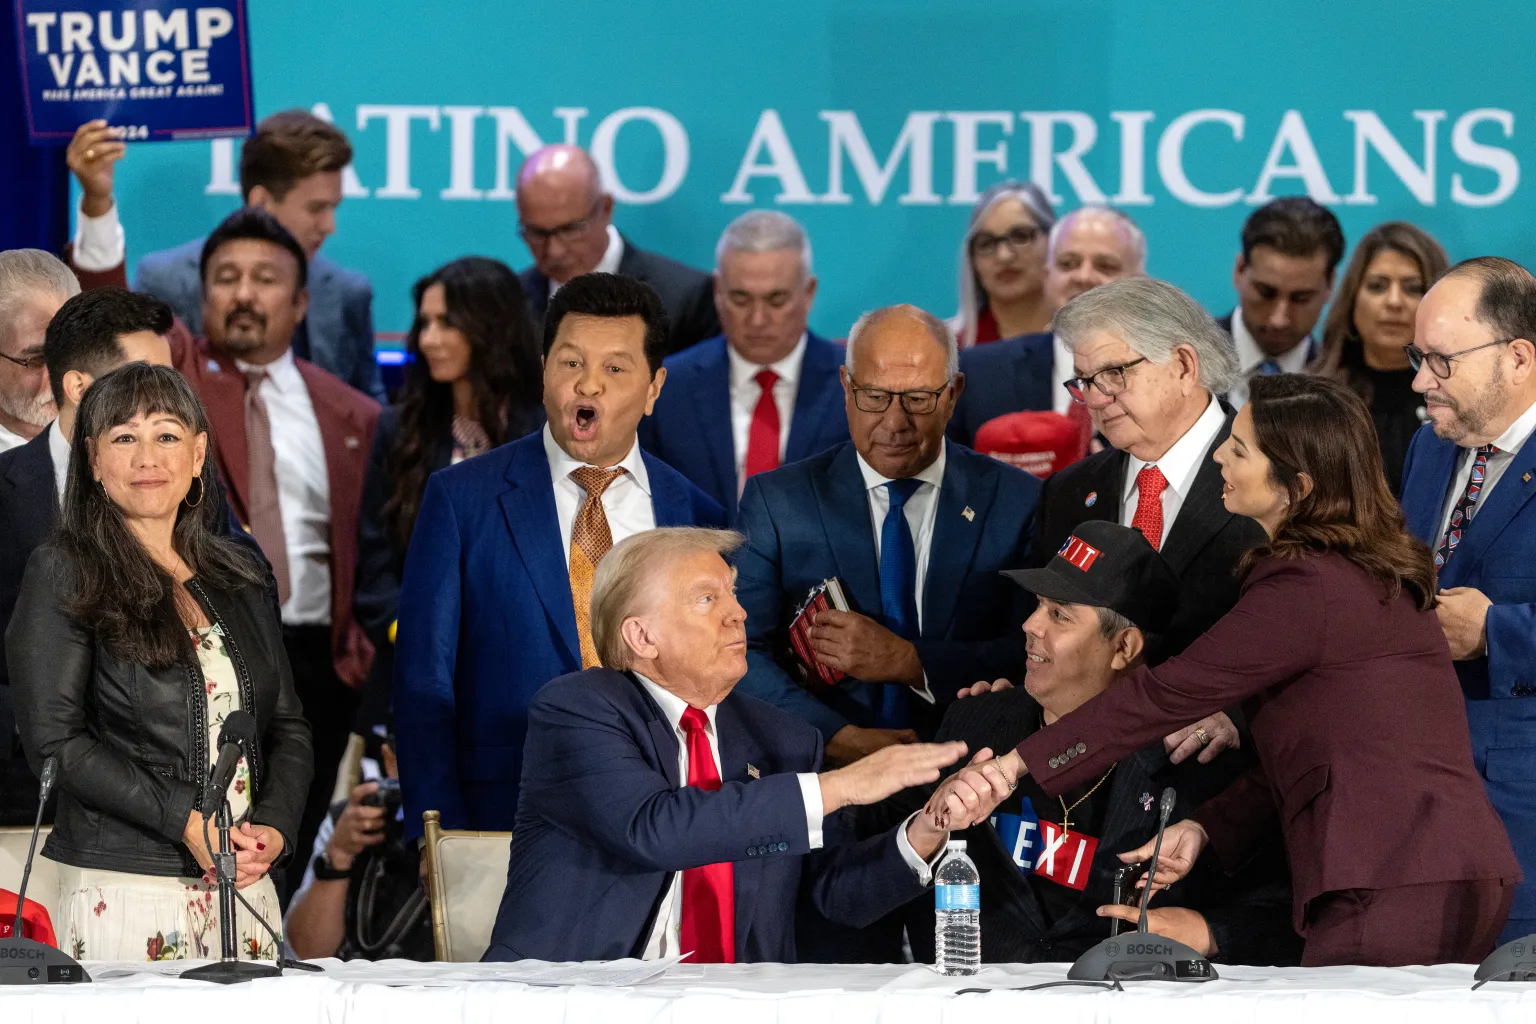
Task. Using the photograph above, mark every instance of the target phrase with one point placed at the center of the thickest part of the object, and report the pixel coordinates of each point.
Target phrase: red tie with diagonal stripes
(708, 925)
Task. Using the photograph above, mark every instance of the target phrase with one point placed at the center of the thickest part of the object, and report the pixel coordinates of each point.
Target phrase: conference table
(412, 993)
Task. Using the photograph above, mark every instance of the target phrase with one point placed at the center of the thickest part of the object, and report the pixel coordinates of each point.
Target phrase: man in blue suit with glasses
(1468, 485)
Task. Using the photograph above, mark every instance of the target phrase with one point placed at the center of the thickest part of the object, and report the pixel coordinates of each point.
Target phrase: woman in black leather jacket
(137, 630)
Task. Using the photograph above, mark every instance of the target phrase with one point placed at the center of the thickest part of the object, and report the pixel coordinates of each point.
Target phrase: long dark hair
(1342, 356)
(117, 591)
(1320, 427)
(485, 301)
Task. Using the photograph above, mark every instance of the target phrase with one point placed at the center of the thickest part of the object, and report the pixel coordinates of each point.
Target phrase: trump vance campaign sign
(158, 69)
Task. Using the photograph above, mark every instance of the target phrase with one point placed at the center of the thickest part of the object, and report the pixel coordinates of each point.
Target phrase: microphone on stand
(1144, 955)
(25, 961)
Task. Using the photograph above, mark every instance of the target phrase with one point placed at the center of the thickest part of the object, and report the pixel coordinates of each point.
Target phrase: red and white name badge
(1066, 857)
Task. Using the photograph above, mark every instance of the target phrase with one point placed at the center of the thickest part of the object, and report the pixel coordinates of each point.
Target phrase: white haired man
(767, 377)
(663, 813)
(33, 285)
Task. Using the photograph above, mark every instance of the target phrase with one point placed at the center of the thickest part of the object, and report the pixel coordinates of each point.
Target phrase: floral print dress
(116, 915)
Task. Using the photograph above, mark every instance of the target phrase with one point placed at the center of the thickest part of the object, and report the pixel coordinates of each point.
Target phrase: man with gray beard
(33, 285)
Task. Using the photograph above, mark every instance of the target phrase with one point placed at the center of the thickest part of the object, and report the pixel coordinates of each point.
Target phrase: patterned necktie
(898, 590)
(1150, 484)
(1461, 515)
(590, 541)
(763, 438)
(262, 508)
(707, 924)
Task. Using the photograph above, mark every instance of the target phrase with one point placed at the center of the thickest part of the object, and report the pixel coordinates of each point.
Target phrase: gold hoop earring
(193, 504)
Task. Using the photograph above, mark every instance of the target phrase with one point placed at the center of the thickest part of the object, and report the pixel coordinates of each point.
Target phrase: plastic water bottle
(957, 912)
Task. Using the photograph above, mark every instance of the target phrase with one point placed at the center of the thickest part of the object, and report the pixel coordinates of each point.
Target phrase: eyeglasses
(1109, 381)
(1440, 364)
(29, 363)
(566, 233)
(914, 403)
(984, 243)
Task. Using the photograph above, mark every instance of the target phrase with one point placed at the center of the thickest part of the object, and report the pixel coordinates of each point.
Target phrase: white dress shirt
(58, 451)
(745, 393)
(303, 490)
(626, 502)
(10, 439)
(665, 933)
(99, 241)
(1250, 357)
(1180, 465)
(1061, 372)
(1509, 444)
(609, 264)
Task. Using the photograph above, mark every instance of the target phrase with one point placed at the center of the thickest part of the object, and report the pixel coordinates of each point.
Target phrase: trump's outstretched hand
(887, 771)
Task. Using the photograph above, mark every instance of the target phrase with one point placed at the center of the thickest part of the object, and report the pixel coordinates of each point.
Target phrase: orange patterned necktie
(590, 541)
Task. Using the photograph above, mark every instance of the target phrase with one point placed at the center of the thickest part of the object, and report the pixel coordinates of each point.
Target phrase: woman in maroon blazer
(1396, 855)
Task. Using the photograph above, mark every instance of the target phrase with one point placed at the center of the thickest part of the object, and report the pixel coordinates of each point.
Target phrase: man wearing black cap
(1048, 864)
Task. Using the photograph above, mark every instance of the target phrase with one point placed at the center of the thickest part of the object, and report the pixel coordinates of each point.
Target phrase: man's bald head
(894, 352)
(563, 211)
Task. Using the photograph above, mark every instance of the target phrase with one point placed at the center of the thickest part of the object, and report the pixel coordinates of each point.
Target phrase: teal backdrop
(876, 123)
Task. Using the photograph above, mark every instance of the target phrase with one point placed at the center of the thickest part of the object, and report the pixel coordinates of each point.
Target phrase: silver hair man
(1153, 318)
(935, 326)
(765, 231)
(1136, 239)
(33, 285)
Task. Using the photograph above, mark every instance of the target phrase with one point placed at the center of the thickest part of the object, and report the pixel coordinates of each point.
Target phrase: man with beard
(497, 593)
(291, 442)
(1467, 489)
(33, 285)
(1090, 246)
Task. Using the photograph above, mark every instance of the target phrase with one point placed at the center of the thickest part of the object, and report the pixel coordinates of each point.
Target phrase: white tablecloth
(759, 994)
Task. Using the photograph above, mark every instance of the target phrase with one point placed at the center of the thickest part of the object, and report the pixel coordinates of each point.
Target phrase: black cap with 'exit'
(1107, 565)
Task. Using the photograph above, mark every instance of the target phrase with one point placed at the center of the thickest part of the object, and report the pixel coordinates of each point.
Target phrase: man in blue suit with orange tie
(1468, 486)
(915, 528)
(765, 391)
(495, 598)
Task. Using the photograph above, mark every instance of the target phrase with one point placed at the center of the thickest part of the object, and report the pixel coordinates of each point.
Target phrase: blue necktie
(1269, 368)
(898, 590)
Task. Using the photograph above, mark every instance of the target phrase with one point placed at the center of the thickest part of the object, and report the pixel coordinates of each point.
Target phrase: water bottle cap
(955, 844)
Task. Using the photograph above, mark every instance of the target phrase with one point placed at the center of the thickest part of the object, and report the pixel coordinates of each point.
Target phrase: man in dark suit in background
(663, 813)
(1468, 486)
(292, 169)
(496, 595)
(1284, 278)
(1152, 396)
(767, 390)
(1090, 246)
(566, 219)
(291, 443)
(914, 527)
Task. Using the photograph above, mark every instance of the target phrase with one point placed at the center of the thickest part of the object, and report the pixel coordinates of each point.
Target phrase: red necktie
(708, 925)
(1150, 484)
(763, 438)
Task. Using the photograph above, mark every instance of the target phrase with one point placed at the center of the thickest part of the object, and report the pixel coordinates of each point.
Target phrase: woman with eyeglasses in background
(1370, 322)
(1002, 265)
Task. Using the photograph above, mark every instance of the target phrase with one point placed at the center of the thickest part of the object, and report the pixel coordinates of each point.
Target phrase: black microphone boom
(237, 738)
(25, 961)
(1164, 812)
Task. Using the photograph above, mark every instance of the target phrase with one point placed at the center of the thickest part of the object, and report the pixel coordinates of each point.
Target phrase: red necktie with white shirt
(708, 919)
(1150, 484)
(763, 438)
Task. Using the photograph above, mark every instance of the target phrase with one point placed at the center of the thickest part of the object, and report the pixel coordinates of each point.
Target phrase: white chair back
(43, 887)
(466, 875)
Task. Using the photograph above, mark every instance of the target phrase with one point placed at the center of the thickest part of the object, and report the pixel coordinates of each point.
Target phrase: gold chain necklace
(1066, 812)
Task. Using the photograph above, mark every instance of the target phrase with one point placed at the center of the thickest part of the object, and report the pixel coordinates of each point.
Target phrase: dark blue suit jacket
(1012, 375)
(690, 427)
(810, 520)
(485, 619)
(604, 823)
(1497, 555)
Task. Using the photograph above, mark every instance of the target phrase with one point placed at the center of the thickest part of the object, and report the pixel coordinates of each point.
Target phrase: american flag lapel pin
(969, 513)
(752, 771)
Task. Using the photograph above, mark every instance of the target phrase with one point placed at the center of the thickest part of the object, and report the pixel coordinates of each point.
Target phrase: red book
(826, 594)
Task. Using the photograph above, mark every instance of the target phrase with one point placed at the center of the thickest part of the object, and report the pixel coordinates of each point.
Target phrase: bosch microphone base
(25, 962)
(1513, 961)
(1141, 956)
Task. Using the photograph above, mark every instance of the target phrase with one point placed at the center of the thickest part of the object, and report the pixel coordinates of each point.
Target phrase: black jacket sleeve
(376, 597)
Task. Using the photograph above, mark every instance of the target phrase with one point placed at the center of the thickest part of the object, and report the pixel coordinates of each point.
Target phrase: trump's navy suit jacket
(1012, 375)
(604, 823)
(690, 427)
(1496, 555)
(810, 520)
(486, 619)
